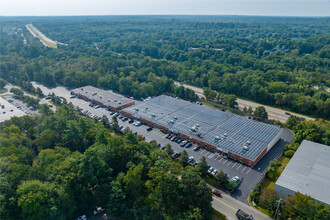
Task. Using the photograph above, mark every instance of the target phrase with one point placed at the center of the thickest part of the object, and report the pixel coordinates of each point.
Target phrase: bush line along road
(226, 204)
(273, 113)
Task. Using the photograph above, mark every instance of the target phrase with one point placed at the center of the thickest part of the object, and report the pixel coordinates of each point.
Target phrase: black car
(149, 129)
(176, 155)
(131, 121)
(188, 145)
(120, 117)
(125, 119)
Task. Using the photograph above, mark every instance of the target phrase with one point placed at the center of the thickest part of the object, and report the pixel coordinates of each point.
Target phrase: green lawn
(265, 211)
(218, 216)
(267, 184)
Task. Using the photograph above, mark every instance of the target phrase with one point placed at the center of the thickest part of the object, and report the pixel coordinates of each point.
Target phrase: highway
(273, 113)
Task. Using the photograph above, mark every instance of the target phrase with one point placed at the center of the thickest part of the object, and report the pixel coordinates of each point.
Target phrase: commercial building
(231, 135)
(104, 98)
(308, 172)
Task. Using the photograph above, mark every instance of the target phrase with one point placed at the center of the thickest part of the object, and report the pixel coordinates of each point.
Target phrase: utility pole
(278, 207)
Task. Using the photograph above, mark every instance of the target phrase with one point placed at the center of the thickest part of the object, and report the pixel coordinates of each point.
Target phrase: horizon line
(250, 15)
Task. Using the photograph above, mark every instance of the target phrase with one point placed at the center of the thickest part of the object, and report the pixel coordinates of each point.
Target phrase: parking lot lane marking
(216, 158)
(239, 166)
(202, 152)
(207, 153)
(224, 203)
(220, 159)
(224, 161)
(243, 169)
(211, 156)
(248, 171)
(234, 165)
(229, 164)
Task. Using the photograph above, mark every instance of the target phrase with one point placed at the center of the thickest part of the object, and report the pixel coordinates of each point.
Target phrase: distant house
(308, 172)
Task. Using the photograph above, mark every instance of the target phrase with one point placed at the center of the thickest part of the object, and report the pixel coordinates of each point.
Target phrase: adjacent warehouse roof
(227, 131)
(308, 172)
(108, 98)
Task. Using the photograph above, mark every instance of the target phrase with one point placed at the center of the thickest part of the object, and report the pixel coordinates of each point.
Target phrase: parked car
(196, 148)
(176, 155)
(120, 117)
(112, 113)
(236, 179)
(215, 171)
(216, 192)
(188, 145)
(131, 121)
(183, 143)
(168, 135)
(172, 138)
(83, 217)
(210, 170)
(149, 129)
(98, 210)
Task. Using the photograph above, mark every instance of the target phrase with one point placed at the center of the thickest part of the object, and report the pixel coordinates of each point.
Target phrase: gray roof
(234, 130)
(108, 98)
(308, 172)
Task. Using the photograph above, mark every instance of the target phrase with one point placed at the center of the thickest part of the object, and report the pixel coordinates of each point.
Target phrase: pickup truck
(243, 216)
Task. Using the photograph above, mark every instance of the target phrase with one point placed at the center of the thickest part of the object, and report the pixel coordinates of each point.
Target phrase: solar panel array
(205, 123)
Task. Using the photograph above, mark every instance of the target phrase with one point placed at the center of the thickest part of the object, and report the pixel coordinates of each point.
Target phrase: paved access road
(229, 206)
(273, 113)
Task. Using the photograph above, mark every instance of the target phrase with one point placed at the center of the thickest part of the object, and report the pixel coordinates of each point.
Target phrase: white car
(83, 217)
(235, 179)
(210, 170)
(98, 210)
(215, 171)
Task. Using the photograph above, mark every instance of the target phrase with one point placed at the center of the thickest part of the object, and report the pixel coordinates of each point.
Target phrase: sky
(167, 7)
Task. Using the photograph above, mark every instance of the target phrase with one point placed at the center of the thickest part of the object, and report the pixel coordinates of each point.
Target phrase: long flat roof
(227, 131)
(308, 172)
(104, 96)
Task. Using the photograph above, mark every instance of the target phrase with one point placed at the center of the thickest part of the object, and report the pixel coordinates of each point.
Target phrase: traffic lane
(229, 206)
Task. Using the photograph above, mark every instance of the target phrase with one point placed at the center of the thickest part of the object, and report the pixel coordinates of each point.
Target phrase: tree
(114, 124)
(43, 201)
(184, 158)
(272, 169)
(269, 200)
(116, 203)
(203, 166)
(255, 194)
(260, 111)
(302, 206)
(222, 177)
(169, 149)
(250, 110)
(105, 121)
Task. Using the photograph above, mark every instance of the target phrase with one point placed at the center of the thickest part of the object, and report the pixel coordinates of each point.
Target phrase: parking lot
(250, 176)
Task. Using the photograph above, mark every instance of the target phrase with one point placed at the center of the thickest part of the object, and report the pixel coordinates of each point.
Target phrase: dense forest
(61, 165)
(279, 61)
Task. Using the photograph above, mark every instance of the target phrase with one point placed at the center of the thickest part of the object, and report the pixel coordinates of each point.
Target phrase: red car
(216, 192)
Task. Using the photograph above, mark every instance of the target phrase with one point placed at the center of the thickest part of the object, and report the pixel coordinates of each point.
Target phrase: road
(43, 39)
(273, 113)
(229, 206)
